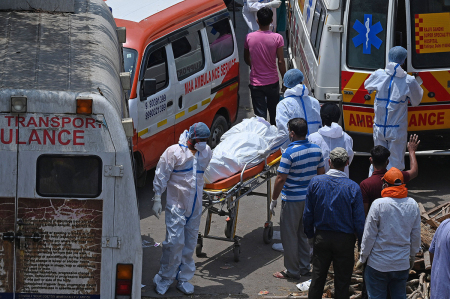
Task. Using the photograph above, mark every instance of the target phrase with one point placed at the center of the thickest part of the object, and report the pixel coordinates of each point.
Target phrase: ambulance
(184, 62)
(338, 44)
(69, 222)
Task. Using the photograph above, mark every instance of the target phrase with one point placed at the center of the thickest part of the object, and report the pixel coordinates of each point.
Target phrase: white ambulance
(69, 223)
(337, 45)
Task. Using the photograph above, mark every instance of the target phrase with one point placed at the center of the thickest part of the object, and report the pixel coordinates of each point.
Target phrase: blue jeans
(379, 283)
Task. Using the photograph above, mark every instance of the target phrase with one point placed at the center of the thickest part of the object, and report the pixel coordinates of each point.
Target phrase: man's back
(263, 46)
(391, 234)
(440, 273)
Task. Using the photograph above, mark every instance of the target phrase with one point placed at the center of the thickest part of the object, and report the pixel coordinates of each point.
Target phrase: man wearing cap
(296, 104)
(180, 170)
(395, 88)
(331, 135)
(299, 164)
(391, 239)
(332, 219)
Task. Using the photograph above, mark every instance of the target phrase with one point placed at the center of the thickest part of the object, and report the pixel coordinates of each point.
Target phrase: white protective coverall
(181, 173)
(249, 11)
(296, 104)
(328, 138)
(394, 89)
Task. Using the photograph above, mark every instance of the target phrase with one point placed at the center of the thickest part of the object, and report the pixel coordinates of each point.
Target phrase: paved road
(217, 274)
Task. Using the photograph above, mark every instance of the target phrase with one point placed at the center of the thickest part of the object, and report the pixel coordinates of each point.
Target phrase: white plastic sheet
(238, 146)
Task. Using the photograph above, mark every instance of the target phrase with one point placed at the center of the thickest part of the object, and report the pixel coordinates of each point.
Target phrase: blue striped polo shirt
(300, 161)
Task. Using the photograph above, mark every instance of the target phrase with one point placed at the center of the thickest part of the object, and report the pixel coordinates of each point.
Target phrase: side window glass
(188, 54)
(157, 68)
(220, 40)
(317, 26)
(366, 34)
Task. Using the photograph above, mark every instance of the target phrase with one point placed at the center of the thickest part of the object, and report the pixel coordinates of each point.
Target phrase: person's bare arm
(279, 183)
(247, 57)
(412, 148)
(281, 63)
(320, 170)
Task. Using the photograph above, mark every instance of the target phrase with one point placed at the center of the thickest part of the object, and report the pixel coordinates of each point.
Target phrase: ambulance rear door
(64, 206)
(428, 44)
(367, 39)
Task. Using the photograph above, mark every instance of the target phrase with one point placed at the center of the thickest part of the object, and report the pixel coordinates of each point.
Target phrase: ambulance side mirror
(149, 88)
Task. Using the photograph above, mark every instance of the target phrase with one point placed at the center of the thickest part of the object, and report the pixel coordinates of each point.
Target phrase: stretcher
(222, 198)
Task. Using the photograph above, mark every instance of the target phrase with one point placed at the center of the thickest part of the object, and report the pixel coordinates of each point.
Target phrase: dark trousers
(265, 98)
(380, 284)
(336, 247)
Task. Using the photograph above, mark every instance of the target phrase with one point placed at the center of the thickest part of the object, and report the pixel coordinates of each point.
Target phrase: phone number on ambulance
(155, 111)
(156, 101)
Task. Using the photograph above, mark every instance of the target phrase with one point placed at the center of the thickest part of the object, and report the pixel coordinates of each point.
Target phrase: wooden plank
(437, 208)
(423, 212)
(444, 217)
(427, 260)
(432, 223)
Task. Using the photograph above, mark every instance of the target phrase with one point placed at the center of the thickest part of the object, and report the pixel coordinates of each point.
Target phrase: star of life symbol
(367, 34)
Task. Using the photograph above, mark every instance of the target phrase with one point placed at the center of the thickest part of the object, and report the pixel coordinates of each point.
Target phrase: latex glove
(274, 4)
(311, 242)
(273, 205)
(157, 207)
(264, 153)
(360, 266)
(412, 259)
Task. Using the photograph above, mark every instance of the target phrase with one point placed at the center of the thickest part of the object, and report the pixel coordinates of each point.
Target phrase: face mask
(200, 146)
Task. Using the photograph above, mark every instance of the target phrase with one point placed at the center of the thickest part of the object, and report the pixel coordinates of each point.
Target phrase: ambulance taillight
(124, 281)
(84, 105)
(18, 104)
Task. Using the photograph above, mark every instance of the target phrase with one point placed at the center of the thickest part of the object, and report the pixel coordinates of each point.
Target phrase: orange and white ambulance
(338, 44)
(69, 222)
(184, 62)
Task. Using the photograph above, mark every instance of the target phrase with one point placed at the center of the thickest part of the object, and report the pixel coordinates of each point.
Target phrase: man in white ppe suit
(395, 88)
(296, 104)
(331, 135)
(250, 9)
(180, 169)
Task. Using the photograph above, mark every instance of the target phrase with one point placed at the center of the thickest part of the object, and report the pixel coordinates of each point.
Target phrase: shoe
(230, 7)
(278, 247)
(185, 287)
(161, 285)
(236, 4)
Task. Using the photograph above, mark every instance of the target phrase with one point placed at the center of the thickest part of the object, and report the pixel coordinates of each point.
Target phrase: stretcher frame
(229, 199)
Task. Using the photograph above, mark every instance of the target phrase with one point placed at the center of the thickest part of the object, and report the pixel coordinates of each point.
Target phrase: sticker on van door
(432, 32)
(367, 34)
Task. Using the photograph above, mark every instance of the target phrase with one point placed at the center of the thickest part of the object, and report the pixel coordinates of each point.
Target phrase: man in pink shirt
(262, 50)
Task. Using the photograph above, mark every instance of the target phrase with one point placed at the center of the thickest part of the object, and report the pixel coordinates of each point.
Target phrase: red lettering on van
(65, 120)
(32, 122)
(361, 120)
(60, 137)
(55, 122)
(50, 138)
(4, 141)
(440, 118)
(352, 120)
(413, 121)
(431, 120)
(17, 138)
(90, 121)
(9, 119)
(76, 136)
(34, 136)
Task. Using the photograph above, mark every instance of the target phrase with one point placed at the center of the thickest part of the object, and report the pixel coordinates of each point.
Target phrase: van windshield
(129, 61)
(430, 33)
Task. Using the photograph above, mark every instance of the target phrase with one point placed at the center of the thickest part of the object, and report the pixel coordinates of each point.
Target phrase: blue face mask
(200, 146)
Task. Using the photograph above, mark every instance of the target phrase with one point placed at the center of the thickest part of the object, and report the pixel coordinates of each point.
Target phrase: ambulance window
(69, 176)
(366, 34)
(220, 40)
(157, 68)
(317, 26)
(188, 54)
(129, 61)
(430, 34)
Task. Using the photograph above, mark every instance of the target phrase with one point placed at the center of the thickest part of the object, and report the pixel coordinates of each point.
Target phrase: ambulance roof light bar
(18, 104)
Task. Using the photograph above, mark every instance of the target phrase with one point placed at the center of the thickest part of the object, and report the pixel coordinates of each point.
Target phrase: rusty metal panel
(6, 246)
(67, 258)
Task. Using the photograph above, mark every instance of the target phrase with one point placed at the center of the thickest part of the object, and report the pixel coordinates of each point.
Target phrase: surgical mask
(200, 146)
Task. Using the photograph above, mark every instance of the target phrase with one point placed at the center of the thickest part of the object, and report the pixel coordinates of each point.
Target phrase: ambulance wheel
(268, 234)
(228, 228)
(141, 179)
(236, 252)
(218, 127)
(198, 250)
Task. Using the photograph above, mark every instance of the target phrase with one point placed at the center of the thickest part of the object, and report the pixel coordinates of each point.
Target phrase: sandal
(281, 275)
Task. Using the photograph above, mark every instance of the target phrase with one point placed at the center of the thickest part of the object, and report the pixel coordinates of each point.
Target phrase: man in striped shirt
(299, 164)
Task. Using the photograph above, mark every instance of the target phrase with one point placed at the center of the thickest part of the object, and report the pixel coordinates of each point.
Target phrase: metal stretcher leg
(268, 226)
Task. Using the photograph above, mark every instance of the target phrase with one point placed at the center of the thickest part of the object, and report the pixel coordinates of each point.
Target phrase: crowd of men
(322, 208)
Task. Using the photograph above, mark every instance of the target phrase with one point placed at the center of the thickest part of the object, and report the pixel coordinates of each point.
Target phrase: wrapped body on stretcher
(251, 140)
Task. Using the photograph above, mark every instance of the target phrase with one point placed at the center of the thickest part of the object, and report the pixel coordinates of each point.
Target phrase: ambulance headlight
(18, 104)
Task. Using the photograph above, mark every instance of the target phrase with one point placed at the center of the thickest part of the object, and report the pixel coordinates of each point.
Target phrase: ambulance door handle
(180, 102)
(170, 103)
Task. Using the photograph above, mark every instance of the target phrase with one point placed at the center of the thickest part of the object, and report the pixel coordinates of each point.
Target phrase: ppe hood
(399, 72)
(334, 131)
(297, 90)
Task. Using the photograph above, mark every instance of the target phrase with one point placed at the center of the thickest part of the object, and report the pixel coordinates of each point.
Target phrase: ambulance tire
(218, 127)
(141, 179)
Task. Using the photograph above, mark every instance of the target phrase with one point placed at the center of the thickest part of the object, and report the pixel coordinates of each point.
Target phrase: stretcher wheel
(236, 252)
(198, 250)
(228, 228)
(268, 234)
